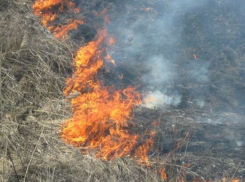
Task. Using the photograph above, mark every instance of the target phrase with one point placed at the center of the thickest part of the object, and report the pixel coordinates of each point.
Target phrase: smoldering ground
(186, 54)
(189, 50)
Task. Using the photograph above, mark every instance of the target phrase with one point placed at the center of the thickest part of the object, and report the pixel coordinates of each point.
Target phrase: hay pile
(34, 66)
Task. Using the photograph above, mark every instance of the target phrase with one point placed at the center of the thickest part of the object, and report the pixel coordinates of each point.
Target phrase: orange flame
(101, 114)
(235, 180)
(109, 58)
(48, 11)
(194, 56)
(163, 174)
(111, 41)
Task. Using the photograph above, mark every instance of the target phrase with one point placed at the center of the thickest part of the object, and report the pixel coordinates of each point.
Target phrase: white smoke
(144, 42)
(157, 99)
(159, 71)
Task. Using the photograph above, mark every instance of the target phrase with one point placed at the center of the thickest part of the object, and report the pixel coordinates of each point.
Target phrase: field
(198, 79)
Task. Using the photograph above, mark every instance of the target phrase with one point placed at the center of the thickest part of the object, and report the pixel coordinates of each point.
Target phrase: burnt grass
(209, 150)
(193, 140)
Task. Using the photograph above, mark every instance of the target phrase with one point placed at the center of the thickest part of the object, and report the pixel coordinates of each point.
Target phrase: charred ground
(202, 137)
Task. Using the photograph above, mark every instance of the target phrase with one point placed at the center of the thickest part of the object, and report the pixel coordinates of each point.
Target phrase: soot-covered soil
(201, 136)
(204, 44)
(205, 145)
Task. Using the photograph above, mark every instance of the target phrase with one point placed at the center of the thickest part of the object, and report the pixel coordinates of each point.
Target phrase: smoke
(158, 99)
(148, 38)
(183, 53)
(159, 73)
(159, 70)
(192, 50)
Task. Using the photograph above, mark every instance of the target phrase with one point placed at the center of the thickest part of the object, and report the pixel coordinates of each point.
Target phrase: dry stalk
(32, 156)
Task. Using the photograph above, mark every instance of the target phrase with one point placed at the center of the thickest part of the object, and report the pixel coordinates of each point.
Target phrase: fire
(111, 41)
(149, 99)
(194, 56)
(100, 113)
(235, 180)
(48, 10)
(62, 30)
(162, 172)
(224, 179)
(109, 58)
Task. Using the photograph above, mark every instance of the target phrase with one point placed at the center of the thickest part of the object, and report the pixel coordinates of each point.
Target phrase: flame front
(100, 113)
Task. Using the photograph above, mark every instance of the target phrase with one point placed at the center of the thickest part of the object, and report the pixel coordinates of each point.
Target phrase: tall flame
(100, 113)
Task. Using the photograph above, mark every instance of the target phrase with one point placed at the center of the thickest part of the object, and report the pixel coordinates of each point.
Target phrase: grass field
(34, 66)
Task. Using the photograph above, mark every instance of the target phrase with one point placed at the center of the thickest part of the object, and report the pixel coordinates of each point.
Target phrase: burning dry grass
(39, 155)
(34, 66)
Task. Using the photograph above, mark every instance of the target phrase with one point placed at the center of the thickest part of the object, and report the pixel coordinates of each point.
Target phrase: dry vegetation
(34, 66)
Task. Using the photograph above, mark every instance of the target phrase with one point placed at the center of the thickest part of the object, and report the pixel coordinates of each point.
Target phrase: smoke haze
(183, 49)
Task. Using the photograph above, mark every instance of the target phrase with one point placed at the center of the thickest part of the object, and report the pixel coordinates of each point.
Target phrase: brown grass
(34, 66)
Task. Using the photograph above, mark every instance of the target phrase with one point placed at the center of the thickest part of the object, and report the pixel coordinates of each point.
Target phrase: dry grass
(34, 66)
(35, 153)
